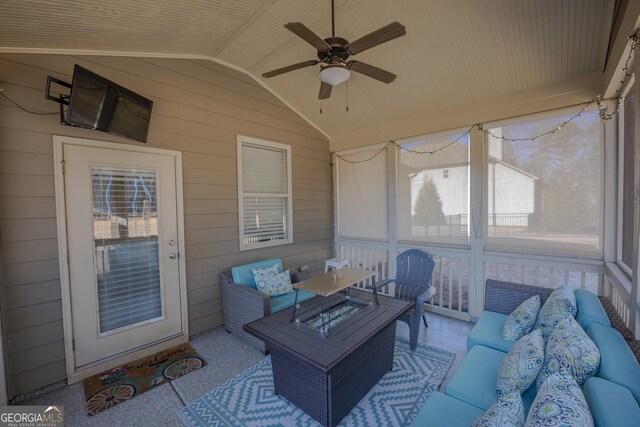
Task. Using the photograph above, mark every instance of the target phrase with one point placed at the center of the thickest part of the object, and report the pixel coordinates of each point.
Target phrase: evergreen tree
(428, 207)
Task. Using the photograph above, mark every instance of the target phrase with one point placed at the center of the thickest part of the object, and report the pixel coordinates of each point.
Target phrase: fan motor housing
(338, 48)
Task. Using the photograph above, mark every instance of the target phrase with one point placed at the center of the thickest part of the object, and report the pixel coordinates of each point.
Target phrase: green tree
(428, 207)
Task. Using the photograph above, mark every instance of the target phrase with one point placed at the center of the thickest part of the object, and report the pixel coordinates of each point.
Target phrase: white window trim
(625, 268)
(288, 195)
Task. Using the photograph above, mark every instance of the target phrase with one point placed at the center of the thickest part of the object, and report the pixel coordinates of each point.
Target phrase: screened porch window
(546, 195)
(362, 195)
(264, 193)
(433, 190)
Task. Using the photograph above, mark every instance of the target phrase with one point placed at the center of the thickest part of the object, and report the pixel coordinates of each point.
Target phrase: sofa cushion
(443, 410)
(522, 364)
(590, 309)
(243, 275)
(272, 283)
(507, 411)
(610, 403)
(561, 302)
(559, 402)
(570, 349)
(617, 362)
(522, 320)
(488, 332)
(285, 301)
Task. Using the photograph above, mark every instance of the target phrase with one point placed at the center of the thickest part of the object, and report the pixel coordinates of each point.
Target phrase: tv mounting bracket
(62, 99)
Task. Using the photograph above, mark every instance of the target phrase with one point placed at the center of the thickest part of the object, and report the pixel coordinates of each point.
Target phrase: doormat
(105, 390)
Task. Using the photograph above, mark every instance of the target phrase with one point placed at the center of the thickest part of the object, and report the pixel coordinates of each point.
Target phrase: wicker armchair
(243, 304)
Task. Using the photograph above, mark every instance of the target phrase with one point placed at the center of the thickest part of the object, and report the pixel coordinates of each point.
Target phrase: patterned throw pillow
(272, 283)
(522, 364)
(507, 411)
(561, 302)
(571, 350)
(521, 320)
(559, 402)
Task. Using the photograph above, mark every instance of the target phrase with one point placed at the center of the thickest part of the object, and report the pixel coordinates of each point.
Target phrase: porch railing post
(392, 223)
(634, 316)
(476, 222)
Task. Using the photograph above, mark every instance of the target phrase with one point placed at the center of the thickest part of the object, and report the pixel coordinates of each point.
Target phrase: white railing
(450, 276)
(546, 272)
(617, 286)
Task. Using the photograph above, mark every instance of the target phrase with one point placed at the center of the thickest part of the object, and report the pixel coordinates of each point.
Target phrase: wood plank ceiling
(455, 51)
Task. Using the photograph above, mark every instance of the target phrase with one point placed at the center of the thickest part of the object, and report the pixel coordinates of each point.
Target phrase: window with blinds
(264, 193)
(125, 230)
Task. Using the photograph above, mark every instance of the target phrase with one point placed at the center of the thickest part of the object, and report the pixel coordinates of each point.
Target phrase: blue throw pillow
(559, 402)
(561, 302)
(272, 283)
(522, 364)
(507, 411)
(571, 350)
(522, 320)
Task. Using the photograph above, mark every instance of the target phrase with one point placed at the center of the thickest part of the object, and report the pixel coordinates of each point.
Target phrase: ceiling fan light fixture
(335, 74)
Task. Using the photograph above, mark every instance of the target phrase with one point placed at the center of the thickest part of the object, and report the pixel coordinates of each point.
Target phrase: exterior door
(122, 234)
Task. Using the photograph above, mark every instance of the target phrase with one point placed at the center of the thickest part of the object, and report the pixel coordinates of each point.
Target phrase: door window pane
(546, 195)
(433, 190)
(125, 228)
(362, 195)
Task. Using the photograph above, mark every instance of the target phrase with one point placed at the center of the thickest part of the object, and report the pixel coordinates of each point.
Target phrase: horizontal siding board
(27, 207)
(32, 293)
(197, 111)
(27, 251)
(31, 272)
(31, 337)
(14, 230)
(37, 314)
(43, 355)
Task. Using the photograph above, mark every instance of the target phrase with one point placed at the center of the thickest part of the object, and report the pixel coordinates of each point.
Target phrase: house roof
(454, 53)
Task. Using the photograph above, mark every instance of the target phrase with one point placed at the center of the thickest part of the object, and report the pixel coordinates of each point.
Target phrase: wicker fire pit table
(335, 348)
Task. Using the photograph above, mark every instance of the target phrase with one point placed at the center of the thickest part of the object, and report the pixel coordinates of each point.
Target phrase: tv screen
(98, 103)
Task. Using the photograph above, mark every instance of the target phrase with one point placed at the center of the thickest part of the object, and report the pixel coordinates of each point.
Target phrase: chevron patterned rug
(248, 399)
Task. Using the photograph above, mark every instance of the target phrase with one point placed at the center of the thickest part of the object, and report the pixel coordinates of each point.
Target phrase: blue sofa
(613, 395)
(242, 302)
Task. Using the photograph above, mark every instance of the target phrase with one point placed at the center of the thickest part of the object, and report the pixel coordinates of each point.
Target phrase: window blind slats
(265, 178)
(126, 246)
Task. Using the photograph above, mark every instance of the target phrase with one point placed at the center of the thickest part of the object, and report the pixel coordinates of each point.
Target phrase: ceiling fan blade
(371, 71)
(379, 36)
(301, 30)
(289, 68)
(325, 90)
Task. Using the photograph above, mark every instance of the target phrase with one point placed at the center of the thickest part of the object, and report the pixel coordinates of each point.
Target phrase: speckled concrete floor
(226, 357)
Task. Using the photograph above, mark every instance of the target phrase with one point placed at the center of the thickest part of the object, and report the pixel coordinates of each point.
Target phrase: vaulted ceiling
(455, 51)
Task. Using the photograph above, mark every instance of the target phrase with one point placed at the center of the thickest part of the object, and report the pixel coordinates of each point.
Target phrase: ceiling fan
(334, 52)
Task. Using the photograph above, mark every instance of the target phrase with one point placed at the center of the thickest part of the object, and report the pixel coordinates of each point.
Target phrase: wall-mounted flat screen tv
(98, 103)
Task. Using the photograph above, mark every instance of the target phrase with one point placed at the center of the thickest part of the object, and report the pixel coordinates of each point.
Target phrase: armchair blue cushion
(610, 403)
(243, 274)
(443, 410)
(488, 332)
(590, 309)
(285, 301)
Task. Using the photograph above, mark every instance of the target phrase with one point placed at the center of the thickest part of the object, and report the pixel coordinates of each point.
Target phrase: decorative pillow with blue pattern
(571, 350)
(559, 402)
(522, 364)
(561, 302)
(271, 282)
(507, 411)
(522, 320)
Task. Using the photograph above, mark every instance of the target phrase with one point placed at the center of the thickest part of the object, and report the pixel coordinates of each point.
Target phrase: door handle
(173, 255)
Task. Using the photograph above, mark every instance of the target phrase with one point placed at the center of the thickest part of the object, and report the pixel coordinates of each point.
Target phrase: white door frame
(73, 373)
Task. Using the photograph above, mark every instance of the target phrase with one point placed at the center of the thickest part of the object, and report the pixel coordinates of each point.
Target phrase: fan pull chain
(320, 107)
(347, 96)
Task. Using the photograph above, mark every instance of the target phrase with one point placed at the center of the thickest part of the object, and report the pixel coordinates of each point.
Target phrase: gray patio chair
(414, 269)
